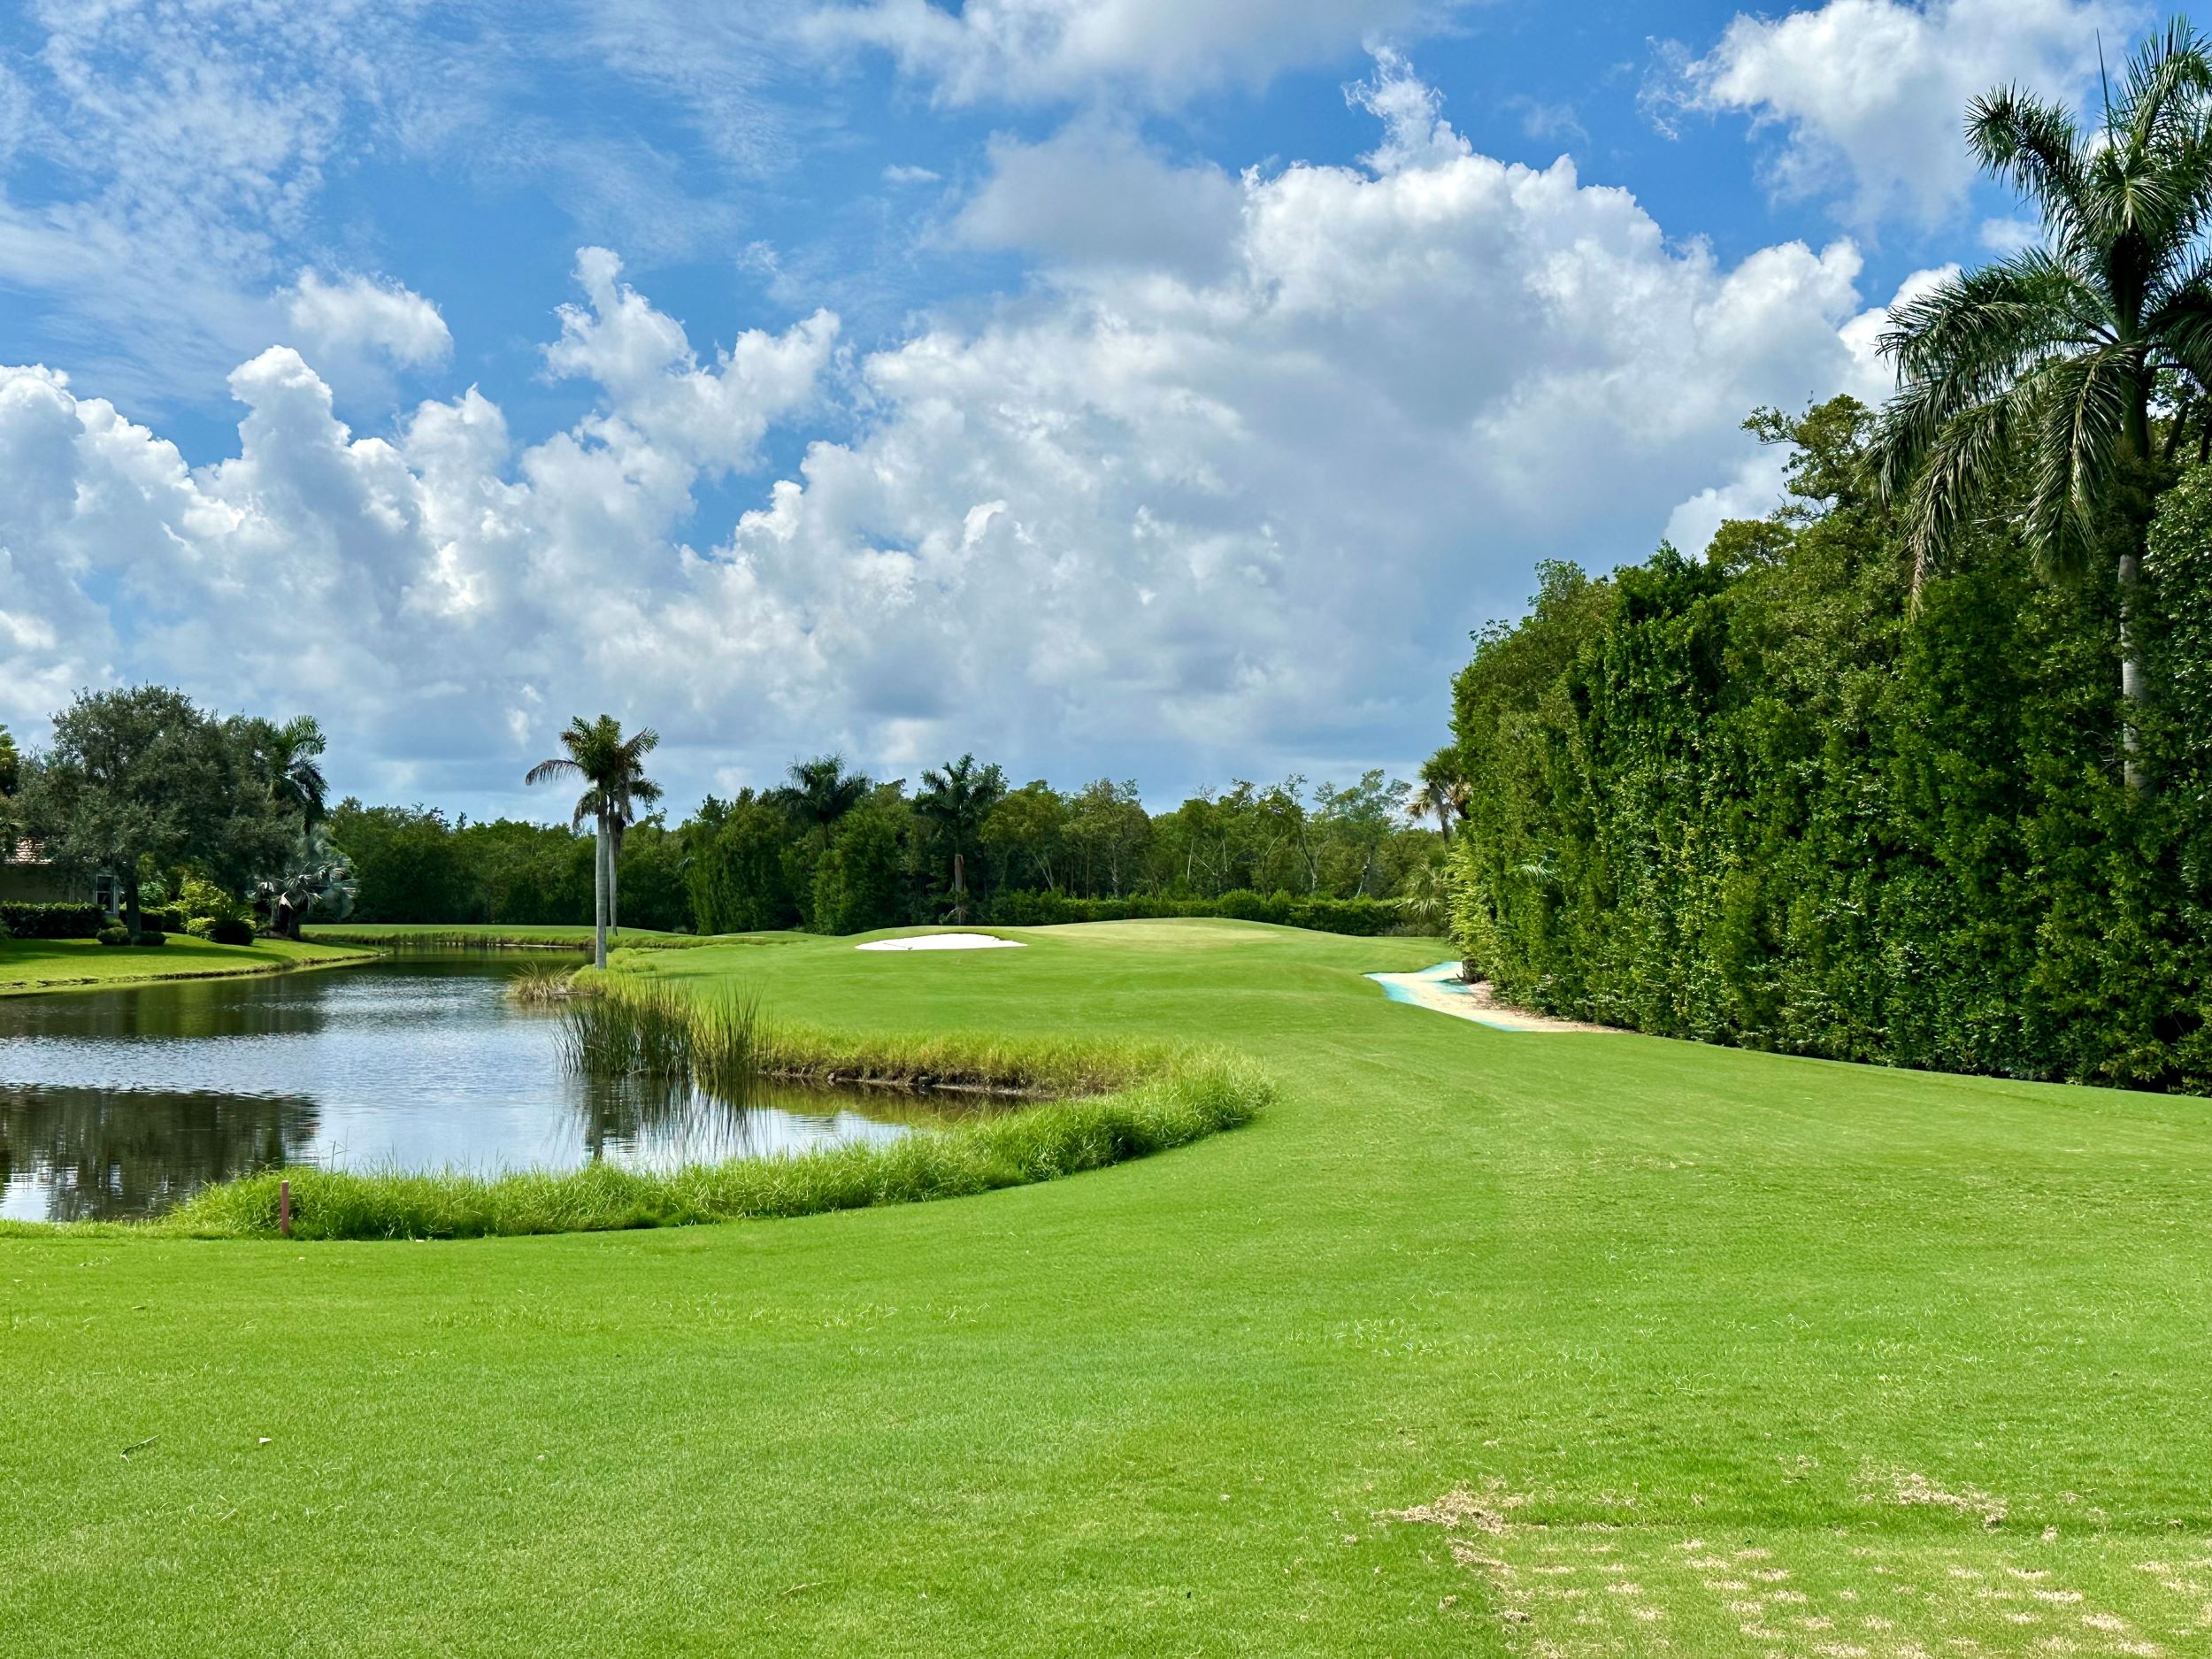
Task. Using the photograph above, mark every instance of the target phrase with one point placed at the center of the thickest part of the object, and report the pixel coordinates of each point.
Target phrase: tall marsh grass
(1095, 1102)
(540, 982)
(1196, 1096)
(631, 1027)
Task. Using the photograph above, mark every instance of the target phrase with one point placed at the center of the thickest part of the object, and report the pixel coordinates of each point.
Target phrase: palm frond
(2167, 73)
(2181, 326)
(2083, 405)
(2031, 144)
(1956, 475)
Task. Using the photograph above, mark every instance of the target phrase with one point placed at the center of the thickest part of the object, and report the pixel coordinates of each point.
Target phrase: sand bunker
(944, 942)
(1441, 989)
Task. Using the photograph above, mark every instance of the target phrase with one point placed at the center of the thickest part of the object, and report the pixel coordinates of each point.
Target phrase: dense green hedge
(1767, 798)
(1362, 916)
(52, 921)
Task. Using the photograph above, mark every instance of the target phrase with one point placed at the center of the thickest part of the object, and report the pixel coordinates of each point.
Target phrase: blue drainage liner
(1444, 975)
(1444, 978)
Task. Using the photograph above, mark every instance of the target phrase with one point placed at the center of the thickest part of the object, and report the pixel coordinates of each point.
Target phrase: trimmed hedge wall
(1364, 917)
(52, 921)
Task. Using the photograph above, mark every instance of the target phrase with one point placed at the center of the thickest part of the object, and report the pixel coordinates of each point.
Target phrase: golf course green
(1657, 1348)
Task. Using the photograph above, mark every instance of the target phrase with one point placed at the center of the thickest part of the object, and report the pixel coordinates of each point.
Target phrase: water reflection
(104, 1155)
(118, 1103)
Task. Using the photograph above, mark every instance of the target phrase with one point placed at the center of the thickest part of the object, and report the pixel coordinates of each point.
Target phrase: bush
(230, 930)
(1362, 916)
(149, 937)
(113, 936)
(150, 926)
(53, 921)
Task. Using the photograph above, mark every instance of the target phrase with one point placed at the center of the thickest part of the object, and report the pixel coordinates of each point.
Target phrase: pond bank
(31, 965)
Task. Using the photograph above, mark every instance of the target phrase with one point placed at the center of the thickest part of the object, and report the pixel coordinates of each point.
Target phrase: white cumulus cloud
(1228, 507)
(1033, 50)
(1869, 96)
(360, 314)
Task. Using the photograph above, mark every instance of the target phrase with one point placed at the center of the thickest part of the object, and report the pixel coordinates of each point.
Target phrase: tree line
(147, 789)
(226, 817)
(831, 849)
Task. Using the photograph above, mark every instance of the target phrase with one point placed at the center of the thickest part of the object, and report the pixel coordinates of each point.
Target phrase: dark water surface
(120, 1103)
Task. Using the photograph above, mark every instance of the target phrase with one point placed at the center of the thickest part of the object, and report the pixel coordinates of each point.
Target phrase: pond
(119, 1104)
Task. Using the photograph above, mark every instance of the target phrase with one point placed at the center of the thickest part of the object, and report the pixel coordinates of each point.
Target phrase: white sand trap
(944, 942)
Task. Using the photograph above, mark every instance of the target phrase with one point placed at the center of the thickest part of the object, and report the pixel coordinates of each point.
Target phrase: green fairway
(1688, 1350)
(46, 965)
(563, 935)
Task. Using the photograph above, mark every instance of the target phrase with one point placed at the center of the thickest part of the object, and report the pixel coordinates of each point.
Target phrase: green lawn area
(1723, 1353)
(487, 934)
(47, 964)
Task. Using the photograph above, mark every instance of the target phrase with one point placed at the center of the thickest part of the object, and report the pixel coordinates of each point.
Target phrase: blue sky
(1125, 388)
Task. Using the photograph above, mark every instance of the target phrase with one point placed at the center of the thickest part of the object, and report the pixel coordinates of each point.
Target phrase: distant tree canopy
(1777, 798)
(140, 781)
(836, 852)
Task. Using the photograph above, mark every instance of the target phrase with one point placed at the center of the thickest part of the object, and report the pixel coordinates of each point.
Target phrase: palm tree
(11, 779)
(2045, 370)
(631, 790)
(821, 792)
(958, 800)
(1443, 792)
(316, 877)
(610, 766)
(295, 779)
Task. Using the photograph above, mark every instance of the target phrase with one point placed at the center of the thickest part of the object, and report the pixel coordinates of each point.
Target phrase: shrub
(150, 926)
(53, 921)
(113, 936)
(230, 930)
(1364, 916)
(149, 937)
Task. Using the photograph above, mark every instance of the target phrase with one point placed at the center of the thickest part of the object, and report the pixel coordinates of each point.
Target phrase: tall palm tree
(958, 800)
(296, 779)
(821, 792)
(1443, 793)
(630, 791)
(2047, 370)
(611, 768)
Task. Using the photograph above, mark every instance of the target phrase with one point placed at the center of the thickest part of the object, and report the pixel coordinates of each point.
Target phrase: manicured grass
(1697, 1331)
(49, 964)
(497, 935)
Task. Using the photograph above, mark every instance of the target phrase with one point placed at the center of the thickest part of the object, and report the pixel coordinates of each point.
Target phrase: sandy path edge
(1440, 988)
